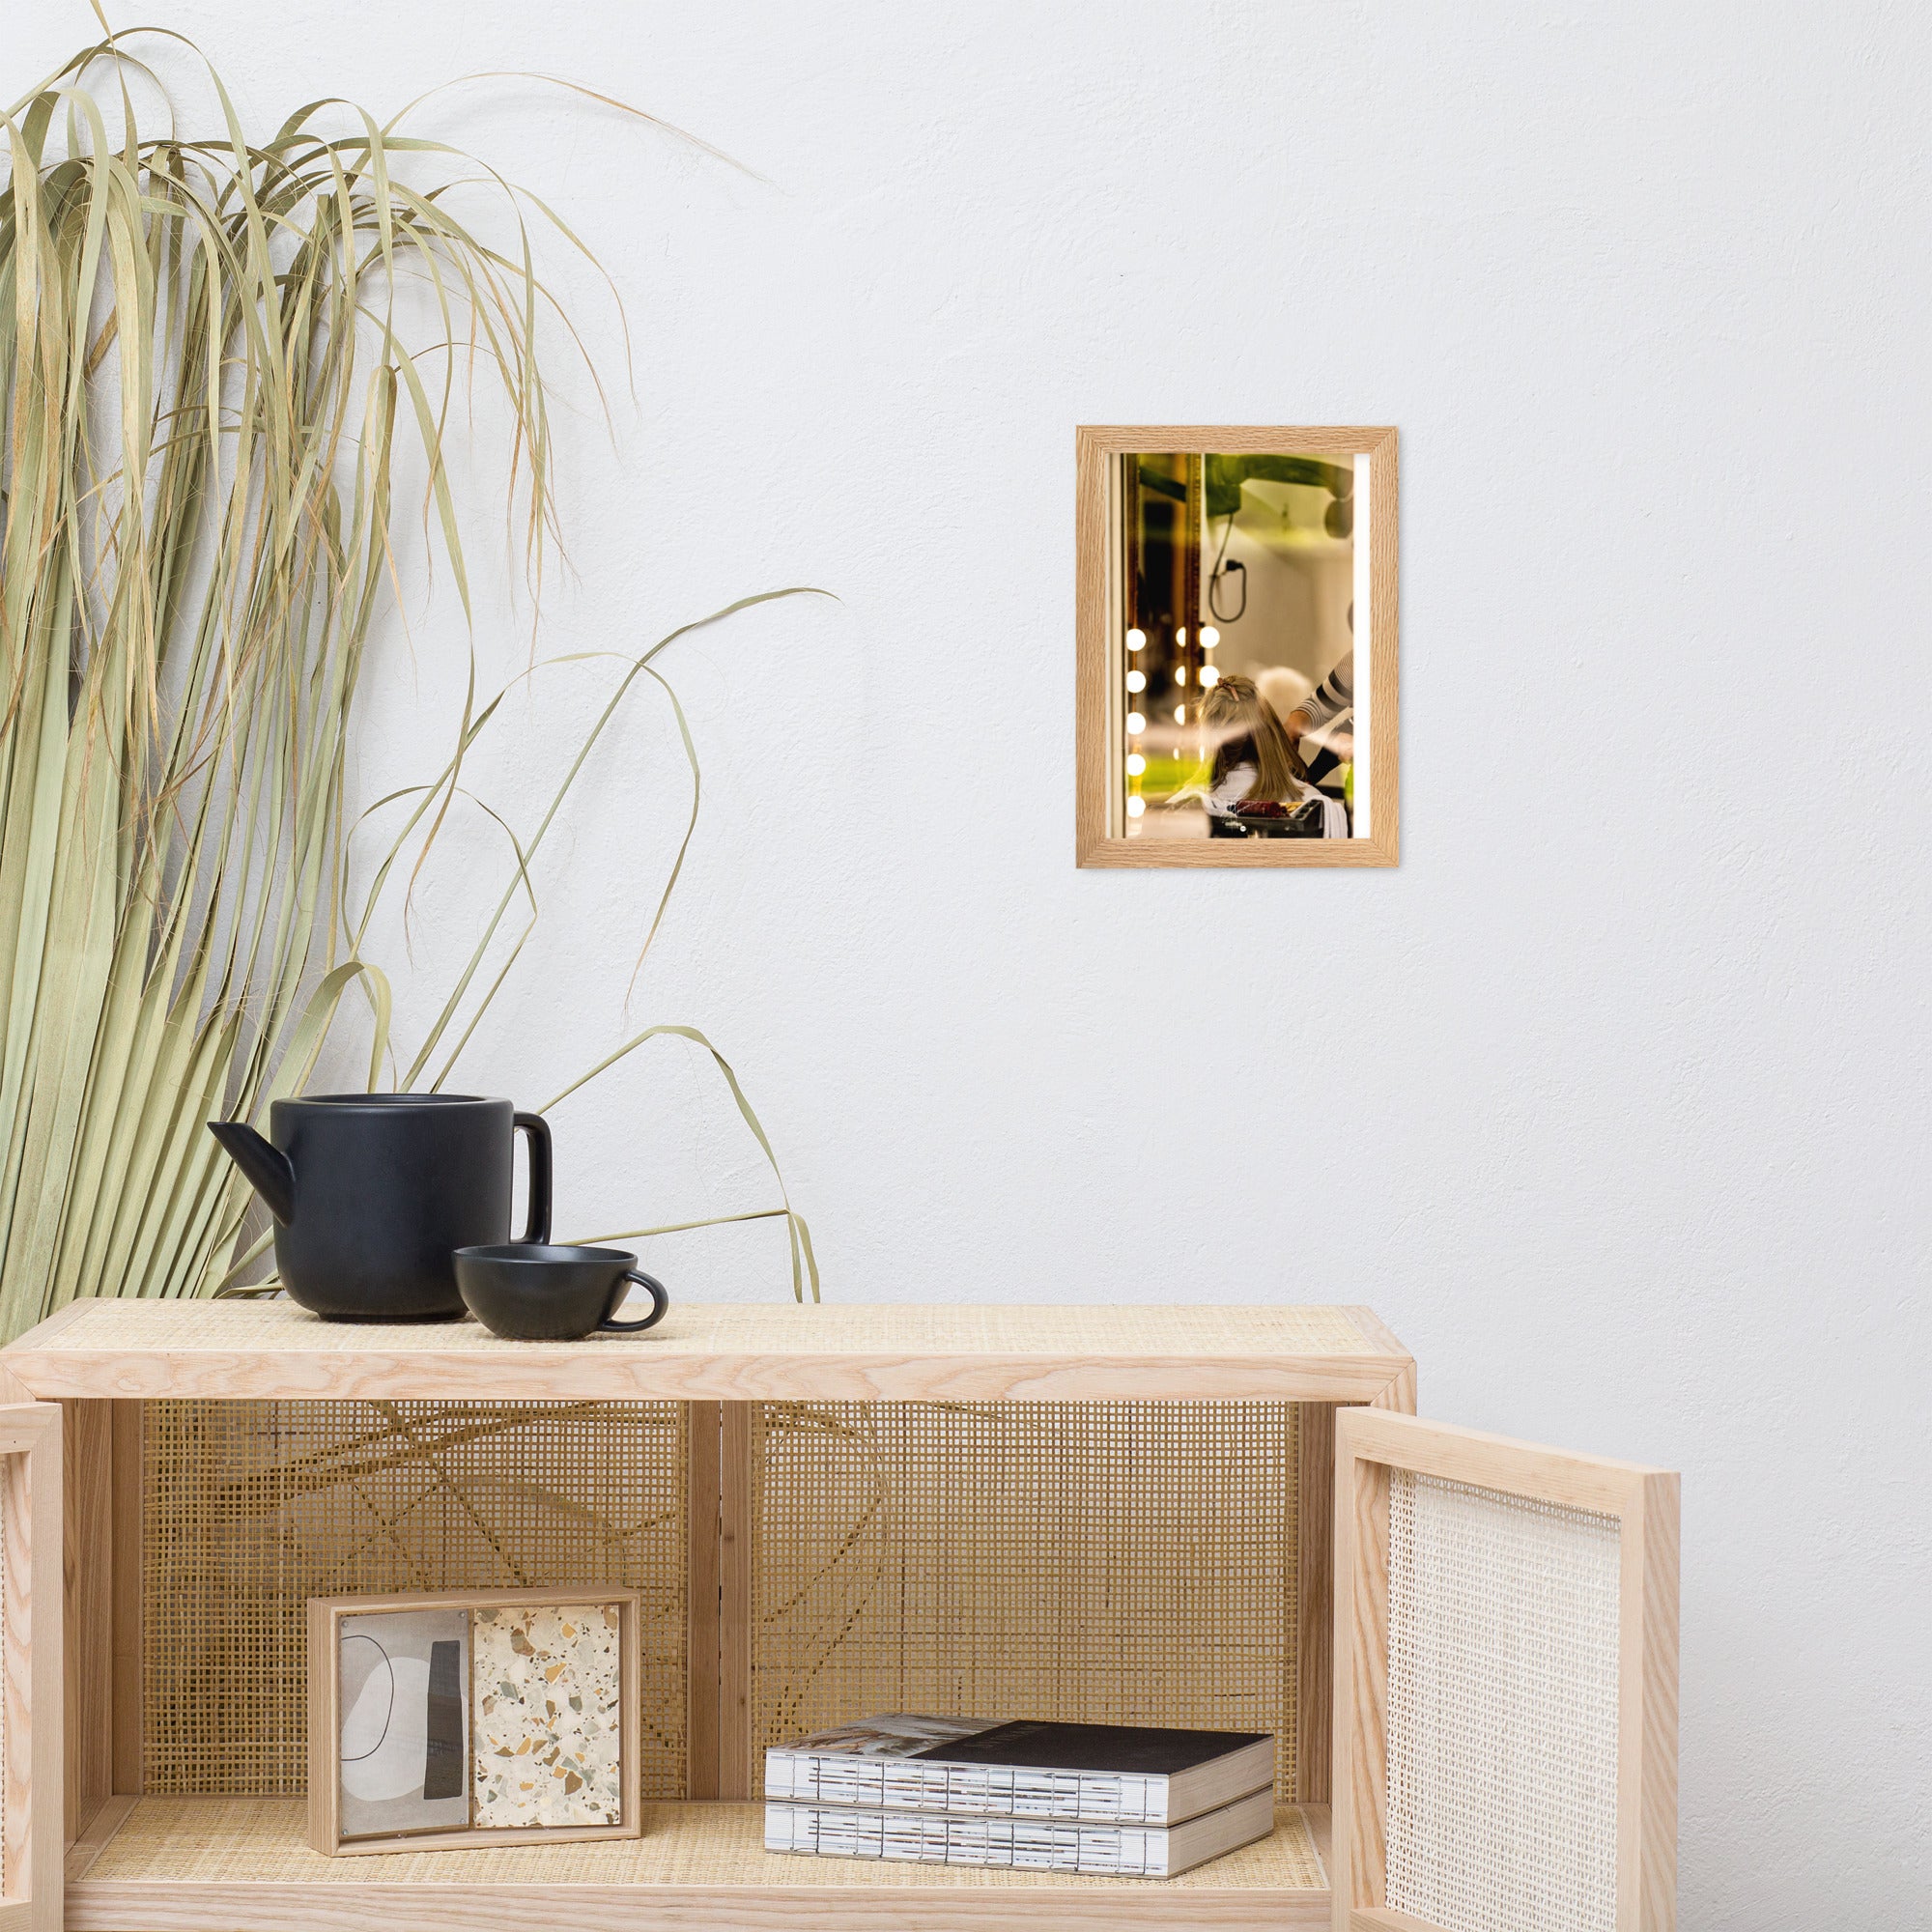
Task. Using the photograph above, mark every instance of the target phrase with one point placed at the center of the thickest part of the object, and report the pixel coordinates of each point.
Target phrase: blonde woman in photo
(1255, 760)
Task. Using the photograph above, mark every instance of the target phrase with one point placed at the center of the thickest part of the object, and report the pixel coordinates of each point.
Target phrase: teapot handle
(537, 1128)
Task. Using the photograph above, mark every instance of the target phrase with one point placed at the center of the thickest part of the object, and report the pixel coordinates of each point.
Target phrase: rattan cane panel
(250, 1508)
(1502, 1710)
(1106, 1562)
(212, 1842)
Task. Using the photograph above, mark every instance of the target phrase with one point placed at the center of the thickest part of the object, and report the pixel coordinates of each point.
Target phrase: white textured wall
(1612, 1098)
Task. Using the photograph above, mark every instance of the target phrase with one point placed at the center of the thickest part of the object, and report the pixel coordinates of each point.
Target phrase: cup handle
(660, 1302)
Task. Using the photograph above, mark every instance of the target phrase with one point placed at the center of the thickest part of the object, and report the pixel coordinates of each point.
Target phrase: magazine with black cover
(1022, 1844)
(1128, 1774)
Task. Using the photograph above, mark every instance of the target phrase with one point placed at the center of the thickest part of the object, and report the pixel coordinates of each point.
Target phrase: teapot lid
(388, 1100)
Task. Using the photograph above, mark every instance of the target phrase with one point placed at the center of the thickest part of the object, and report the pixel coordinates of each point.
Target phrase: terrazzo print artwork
(547, 1727)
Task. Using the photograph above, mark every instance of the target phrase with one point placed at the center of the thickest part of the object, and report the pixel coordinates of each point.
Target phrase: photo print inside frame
(1236, 646)
(479, 1719)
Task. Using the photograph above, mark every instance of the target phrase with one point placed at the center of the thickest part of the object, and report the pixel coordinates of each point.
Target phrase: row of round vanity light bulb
(1208, 677)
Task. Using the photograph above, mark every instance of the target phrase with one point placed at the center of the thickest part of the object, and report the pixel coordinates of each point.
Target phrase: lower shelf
(239, 1865)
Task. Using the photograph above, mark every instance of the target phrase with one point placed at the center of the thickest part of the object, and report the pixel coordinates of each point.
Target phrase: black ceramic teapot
(372, 1192)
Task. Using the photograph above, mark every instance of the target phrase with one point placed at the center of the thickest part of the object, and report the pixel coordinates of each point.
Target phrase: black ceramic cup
(528, 1291)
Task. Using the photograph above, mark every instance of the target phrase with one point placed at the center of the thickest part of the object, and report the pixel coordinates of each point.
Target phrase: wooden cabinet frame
(102, 1361)
(717, 1573)
(31, 1809)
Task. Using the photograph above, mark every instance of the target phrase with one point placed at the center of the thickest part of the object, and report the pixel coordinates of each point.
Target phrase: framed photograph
(1236, 610)
(482, 1717)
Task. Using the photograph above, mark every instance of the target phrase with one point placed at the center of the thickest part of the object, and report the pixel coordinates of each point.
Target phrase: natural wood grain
(1092, 496)
(1385, 1918)
(1398, 1393)
(1234, 438)
(46, 1636)
(1495, 1461)
(124, 1667)
(108, 1818)
(735, 1352)
(1321, 1820)
(1232, 855)
(1097, 449)
(702, 1600)
(720, 1583)
(696, 1867)
(1315, 1652)
(325, 1643)
(736, 1773)
(87, 1430)
(1647, 1739)
(1360, 1788)
(631, 1739)
(111, 1906)
(32, 1672)
(323, 1807)
(1369, 1442)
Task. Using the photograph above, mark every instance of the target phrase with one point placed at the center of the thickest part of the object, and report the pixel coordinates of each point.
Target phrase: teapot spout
(265, 1166)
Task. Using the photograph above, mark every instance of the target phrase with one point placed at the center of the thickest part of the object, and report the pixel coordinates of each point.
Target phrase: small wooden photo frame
(1237, 683)
(475, 1717)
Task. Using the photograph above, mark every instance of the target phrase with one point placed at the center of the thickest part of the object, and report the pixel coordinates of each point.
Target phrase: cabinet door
(1505, 1685)
(30, 1667)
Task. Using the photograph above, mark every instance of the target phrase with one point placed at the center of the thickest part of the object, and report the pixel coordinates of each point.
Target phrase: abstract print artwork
(548, 1729)
(404, 1678)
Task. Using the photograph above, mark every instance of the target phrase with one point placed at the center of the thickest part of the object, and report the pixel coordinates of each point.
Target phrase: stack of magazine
(1105, 1799)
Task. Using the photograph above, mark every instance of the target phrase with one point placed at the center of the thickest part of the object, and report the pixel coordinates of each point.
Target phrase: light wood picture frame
(1374, 1450)
(1114, 823)
(326, 1616)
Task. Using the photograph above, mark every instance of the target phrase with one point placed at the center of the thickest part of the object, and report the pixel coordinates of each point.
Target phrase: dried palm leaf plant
(210, 383)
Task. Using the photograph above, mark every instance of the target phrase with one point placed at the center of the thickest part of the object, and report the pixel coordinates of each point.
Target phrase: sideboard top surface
(726, 1353)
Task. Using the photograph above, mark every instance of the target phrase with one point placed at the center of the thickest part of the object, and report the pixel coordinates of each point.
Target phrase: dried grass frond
(209, 379)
